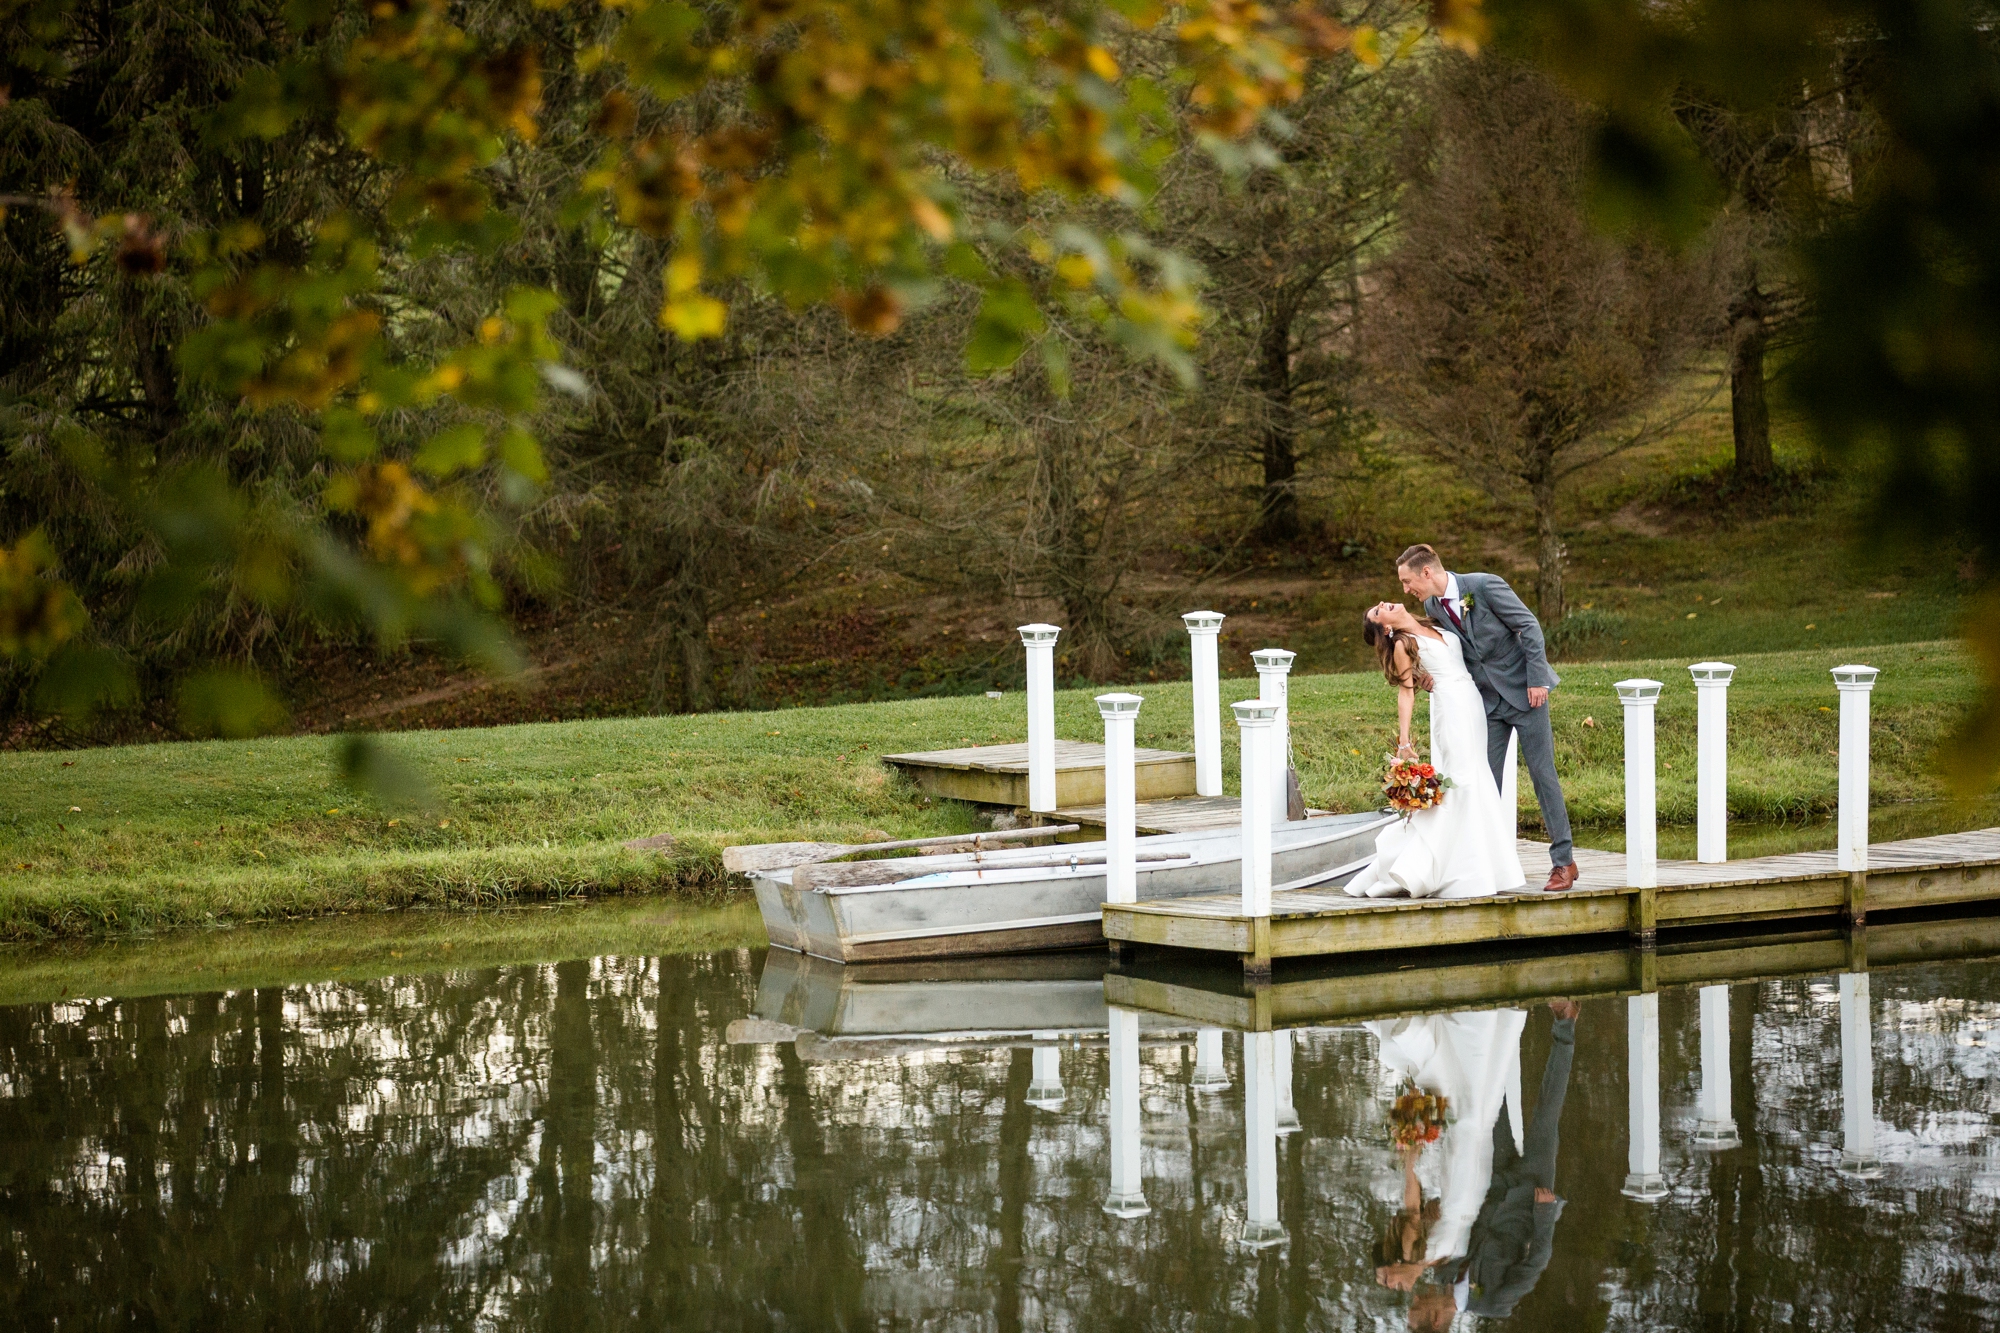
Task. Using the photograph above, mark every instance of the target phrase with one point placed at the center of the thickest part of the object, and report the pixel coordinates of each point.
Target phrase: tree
(1511, 340)
(1283, 249)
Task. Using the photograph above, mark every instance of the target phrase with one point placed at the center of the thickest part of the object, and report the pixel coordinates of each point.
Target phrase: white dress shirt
(1450, 597)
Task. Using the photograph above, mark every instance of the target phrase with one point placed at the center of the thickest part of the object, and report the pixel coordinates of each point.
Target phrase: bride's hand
(1405, 750)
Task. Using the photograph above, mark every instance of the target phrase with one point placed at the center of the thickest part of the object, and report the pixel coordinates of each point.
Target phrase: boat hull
(967, 911)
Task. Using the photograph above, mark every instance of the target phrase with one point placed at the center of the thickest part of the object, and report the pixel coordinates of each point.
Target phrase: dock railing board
(1950, 869)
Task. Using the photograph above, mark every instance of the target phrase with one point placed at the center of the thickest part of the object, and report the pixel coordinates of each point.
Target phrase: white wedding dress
(1474, 1060)
(1465, 846)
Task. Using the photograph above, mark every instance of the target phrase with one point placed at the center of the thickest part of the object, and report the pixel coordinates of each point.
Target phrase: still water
(582, 1145)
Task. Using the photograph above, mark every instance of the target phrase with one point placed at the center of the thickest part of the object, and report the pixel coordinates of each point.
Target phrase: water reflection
(582, 1145)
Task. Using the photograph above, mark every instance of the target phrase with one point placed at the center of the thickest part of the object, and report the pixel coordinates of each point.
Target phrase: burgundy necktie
(1445, 602)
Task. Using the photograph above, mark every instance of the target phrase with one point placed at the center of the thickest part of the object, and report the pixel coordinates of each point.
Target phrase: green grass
(100, 842)
(356, 948)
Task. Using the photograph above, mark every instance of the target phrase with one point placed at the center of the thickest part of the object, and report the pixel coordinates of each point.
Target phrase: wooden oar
(779, 855)
(820, 875)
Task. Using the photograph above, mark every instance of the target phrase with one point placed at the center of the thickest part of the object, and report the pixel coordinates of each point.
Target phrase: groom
(1504, 653)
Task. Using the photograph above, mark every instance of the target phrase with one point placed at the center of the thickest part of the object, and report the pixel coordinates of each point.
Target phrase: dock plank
(1951, 868)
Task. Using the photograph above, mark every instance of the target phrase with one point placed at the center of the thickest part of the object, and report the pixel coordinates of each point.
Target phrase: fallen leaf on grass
(444, 823)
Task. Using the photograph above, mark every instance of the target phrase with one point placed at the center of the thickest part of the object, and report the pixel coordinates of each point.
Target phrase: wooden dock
(998, 774)
(1955, 868)
(1187, 814)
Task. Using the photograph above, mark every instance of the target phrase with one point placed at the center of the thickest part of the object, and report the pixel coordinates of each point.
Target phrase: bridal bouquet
(1410, 786)
(1418, 1117)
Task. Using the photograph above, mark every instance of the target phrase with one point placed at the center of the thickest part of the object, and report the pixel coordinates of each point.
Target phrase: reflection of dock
(1954, 869)
(1349, 991)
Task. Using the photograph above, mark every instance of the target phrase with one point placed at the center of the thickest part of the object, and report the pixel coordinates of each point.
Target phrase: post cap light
(1254, 712)
(1273, 659)
(1036, 634)
(1119, 705)
(1711, 673)
(1638, 691)
(1855, 677)
(1203, 622)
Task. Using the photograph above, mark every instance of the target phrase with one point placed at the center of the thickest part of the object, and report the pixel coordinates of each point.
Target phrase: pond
(737, 1140)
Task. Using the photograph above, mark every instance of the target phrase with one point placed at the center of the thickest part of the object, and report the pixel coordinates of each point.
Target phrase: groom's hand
(1537, 695)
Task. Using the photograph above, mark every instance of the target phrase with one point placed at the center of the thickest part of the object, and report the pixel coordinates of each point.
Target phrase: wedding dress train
(1463, 847)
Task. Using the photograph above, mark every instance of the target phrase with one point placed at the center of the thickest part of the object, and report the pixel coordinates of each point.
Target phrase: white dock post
(1254, 720)
(1040, 642)
(1854, 683)
(1128, 1196)
(1261, 1228)
(1857, 1079)
(1281, 1056)
(1711, 800)
(1204, 629)
(1274, 670)
(1643, 1180)
(1716, 1126)
(1642, 834)
(1045, 1086)
(1210, 1073)
(1121, 813)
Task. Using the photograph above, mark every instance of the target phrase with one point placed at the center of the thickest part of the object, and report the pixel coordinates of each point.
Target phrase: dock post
(1855, 683)
(1711, 693)
(1716, 1126)
(1261, 1228)
(1642, 858)
(1643, 1180)
(1040, 642)
(1121, 813)
(1254, 719)
(1204, 629)
(1857, 1079)
(1045, 1085)
(1288, 1114)
(1210, 1073)
(1274, 671)
(1128, 1195)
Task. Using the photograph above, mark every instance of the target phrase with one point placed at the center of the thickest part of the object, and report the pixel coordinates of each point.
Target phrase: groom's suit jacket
(1503, 640)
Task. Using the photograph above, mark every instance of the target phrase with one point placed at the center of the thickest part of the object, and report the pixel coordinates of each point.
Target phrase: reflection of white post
(1857, 1079)
(1045, 1088)
(1854, 683)
(1253, 723)
(1643, 1180)
(1203, 627)
(1716, 1126)
(1128, 1195)
(1121, 813)
(1040, 642)
(1274, 670)
(1510, 785)
(1210, 1074)
(1260, 1142)
(1281, 1064)
(1711, 799)
(1642, 844)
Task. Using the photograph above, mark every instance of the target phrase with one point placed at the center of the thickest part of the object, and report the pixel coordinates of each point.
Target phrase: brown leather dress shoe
(1560, 878)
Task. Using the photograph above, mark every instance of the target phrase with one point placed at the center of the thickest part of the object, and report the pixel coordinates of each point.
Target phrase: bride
(1464, 846)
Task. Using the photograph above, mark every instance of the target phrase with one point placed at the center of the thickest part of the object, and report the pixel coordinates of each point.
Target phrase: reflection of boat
(869, 1009)
(1029, 898)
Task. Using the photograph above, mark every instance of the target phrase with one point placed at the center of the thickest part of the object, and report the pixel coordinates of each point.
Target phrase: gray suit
(1513, 1236)
(1505, 654)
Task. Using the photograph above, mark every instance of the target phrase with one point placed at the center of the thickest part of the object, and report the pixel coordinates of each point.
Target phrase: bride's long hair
(1384, 640)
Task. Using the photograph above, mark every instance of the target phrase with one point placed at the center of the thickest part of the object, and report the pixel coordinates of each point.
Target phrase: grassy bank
(99, 842)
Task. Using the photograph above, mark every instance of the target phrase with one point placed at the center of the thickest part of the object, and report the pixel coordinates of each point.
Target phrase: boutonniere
(1466, 601)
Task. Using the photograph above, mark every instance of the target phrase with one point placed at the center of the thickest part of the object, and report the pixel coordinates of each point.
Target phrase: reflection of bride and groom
(1480, 1236)
(1479, 654)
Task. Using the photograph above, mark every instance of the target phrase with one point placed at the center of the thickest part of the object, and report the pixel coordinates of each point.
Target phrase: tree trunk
(690, 631)
(1750, 416)
(1550, 552)
(1278, 511)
